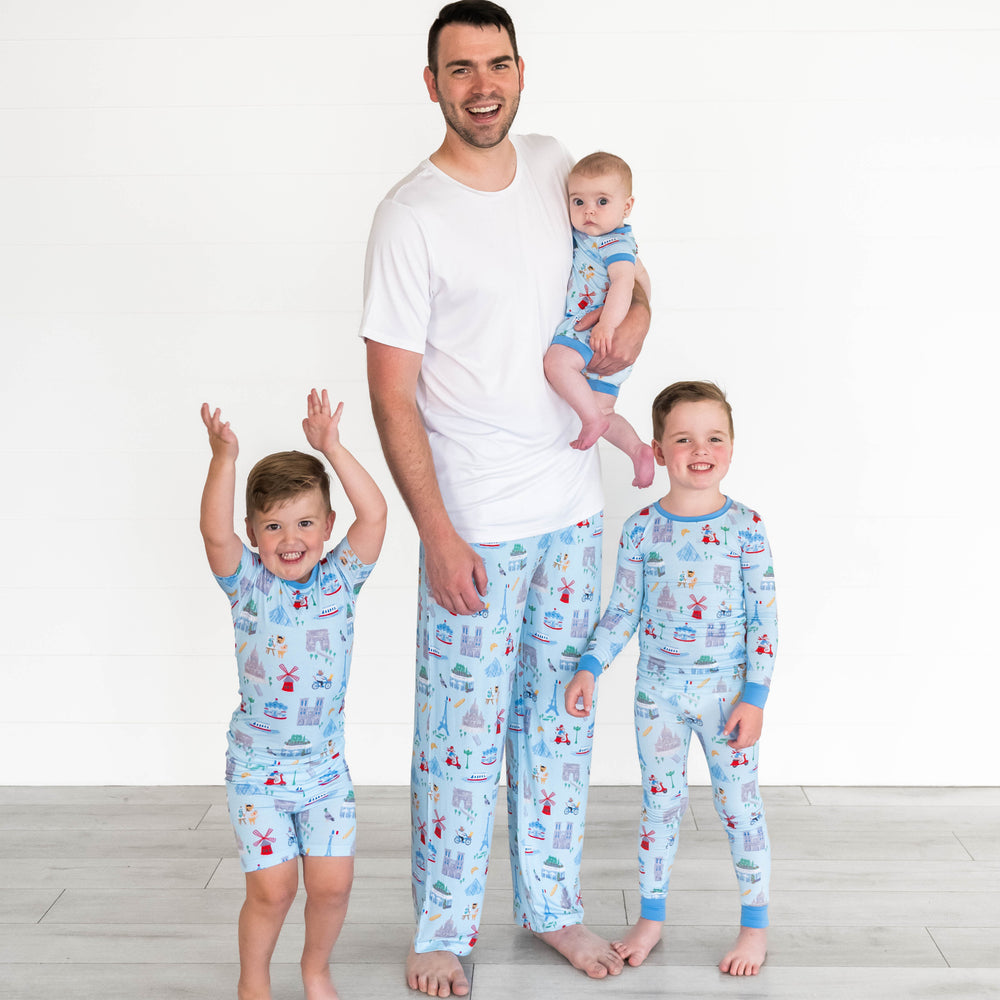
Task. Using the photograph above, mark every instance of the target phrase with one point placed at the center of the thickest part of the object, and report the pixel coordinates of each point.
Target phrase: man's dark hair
(479, 13)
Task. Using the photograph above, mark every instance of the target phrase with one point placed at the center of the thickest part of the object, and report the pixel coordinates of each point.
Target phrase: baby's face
(597, 204)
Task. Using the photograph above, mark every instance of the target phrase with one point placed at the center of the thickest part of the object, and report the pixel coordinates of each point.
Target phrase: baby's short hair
(687, 392)
(277, 478)
(599, 163)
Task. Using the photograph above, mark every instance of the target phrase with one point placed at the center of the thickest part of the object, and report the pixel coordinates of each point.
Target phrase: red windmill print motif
(422, 830)
(648, 836)
(547, 799)
(288, 678)
(696, 605)
(265, 840)
(439, 824)
(586, 298)
(500, 720)
(565, 590)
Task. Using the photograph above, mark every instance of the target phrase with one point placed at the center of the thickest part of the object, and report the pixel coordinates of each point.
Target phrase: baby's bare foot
(644, 466)
(639, 940)
(747, 955)
(590, 433)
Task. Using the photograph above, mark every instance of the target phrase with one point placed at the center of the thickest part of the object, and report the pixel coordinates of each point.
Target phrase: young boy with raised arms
(287, 782)
(694, 579)
(605, 269)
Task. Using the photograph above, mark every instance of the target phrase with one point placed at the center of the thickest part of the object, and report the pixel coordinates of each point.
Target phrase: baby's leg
(269, 895)
(623, 436)
(328, 888)
(563, 369)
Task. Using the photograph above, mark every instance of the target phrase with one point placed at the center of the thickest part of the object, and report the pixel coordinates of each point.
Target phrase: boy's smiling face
(597, 205)
(696, 447)
(291, 537)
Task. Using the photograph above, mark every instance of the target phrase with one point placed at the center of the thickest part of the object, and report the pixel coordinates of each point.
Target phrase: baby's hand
(580, 690)
(322, 426)
(220, 435)
(601, 337)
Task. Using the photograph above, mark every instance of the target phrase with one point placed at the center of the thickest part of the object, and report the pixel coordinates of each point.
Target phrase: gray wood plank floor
(115, 892)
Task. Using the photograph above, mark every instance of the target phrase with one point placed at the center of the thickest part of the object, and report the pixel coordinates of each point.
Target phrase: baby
(605, 269)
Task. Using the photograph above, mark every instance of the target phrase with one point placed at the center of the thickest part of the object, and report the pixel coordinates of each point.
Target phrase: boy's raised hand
(322, 426)
(580, 694)
(221, 436)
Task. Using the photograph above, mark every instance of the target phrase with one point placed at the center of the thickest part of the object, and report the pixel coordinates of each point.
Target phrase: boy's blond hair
(600, 163)
(277, 478)
(687, 392)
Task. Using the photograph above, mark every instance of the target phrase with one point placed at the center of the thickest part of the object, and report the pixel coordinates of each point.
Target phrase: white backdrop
(185, 194)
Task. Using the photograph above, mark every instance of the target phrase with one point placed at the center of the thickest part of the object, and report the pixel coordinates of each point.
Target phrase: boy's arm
(456, 576)
(322, 429)
(617, 625)
(222, 545)
(617, 299)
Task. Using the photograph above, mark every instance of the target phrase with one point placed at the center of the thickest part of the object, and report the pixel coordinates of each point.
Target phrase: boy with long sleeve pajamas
(695, 580)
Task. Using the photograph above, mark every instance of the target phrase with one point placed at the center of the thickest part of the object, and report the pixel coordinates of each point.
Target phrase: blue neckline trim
(700, 517)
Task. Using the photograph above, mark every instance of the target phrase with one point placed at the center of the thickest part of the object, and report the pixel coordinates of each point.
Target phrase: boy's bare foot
(319, 987)
(644, 466)
(584, 950)
(253, 991)
(639, 940)
(436, 973)
(747, 955)
(590, 433)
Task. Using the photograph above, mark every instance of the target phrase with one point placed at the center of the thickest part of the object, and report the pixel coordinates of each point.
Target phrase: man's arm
(456, 576)
(629, 336)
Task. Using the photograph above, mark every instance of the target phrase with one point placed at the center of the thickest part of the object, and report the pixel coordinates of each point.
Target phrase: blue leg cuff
(753, 916)
(654, 909)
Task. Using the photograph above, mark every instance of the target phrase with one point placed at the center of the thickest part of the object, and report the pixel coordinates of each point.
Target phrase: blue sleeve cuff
(590, 662)
(754, 694)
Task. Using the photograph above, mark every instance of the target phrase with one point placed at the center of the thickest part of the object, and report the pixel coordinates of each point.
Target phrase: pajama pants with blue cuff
(668, 710)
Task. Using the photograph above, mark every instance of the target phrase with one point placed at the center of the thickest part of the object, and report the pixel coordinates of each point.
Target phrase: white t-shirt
(475, 281)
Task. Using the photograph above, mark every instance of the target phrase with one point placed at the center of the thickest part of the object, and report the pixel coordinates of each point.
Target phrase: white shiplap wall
(185, 193)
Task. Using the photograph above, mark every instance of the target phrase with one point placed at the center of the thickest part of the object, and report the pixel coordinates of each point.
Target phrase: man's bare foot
(436, 973)
(639, 940)
(644, 466)
(747, 955)
(590, 433)
(319, 986)
(584, 950)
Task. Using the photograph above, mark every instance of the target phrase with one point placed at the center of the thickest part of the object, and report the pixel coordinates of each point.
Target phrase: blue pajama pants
(490, 683)
(668, 709)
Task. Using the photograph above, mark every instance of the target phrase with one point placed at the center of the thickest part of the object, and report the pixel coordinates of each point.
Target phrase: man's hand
(580, 692)
(322, 427)
(455, 575)
(221, 436)
(746, 721)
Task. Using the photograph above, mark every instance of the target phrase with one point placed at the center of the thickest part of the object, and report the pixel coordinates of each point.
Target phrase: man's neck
(480, 169)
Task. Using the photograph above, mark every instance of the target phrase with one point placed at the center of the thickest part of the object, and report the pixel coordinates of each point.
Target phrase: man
(465, 282)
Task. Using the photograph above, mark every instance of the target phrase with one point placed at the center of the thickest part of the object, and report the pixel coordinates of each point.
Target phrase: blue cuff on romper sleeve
(590, 662)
